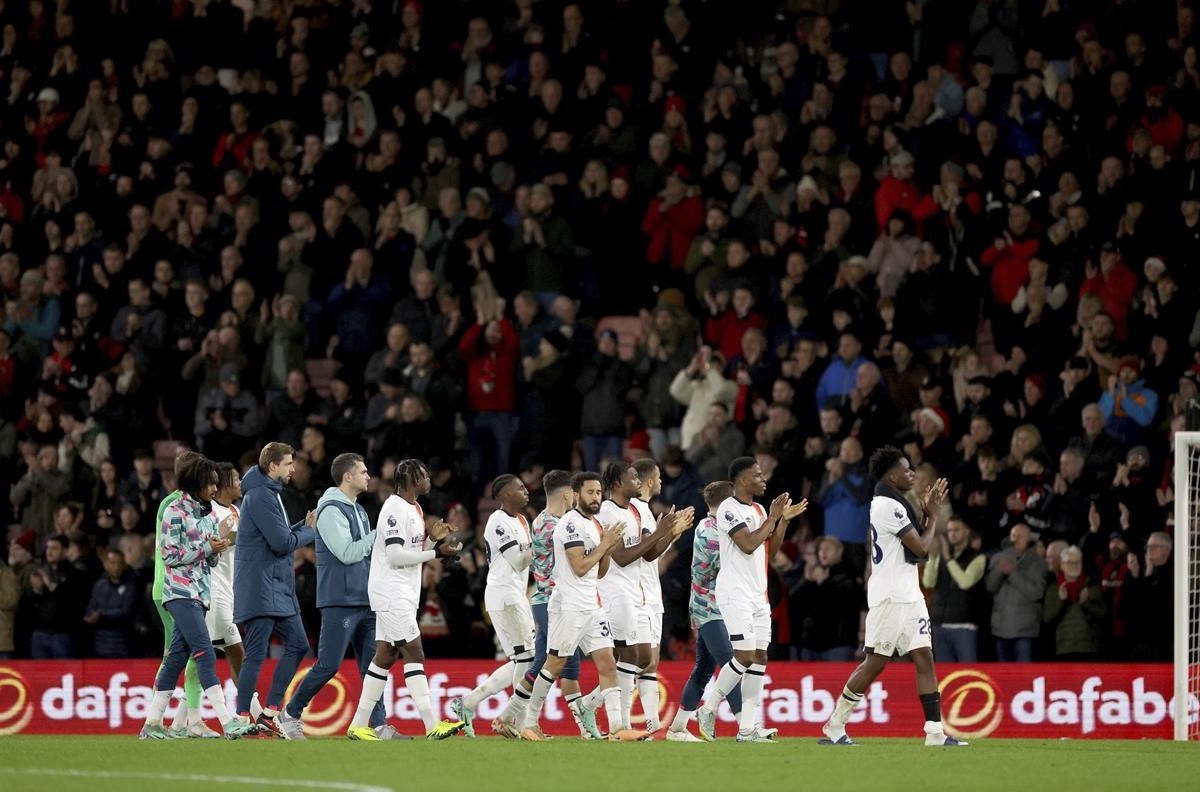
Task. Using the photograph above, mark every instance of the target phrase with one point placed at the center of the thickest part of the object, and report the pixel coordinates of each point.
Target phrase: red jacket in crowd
(725, 332)
(1115, 290)
(1009, 266)
(903, 194)
(671, 230)
(491, 369)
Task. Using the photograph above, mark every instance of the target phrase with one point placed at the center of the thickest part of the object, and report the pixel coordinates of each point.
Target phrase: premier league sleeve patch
(391, 521)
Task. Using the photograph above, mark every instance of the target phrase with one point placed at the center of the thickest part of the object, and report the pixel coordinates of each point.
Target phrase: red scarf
(1073, 587)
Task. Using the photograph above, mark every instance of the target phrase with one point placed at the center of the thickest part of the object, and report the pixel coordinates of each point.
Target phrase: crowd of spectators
(970, 228)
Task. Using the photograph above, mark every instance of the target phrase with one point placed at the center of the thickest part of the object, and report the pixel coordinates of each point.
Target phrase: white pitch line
(196, 777)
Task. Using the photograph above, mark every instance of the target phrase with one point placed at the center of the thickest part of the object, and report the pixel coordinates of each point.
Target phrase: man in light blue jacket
(344, 542)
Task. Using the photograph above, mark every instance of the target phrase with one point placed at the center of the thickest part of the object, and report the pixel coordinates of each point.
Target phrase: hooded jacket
(344, 543)
(264, 583)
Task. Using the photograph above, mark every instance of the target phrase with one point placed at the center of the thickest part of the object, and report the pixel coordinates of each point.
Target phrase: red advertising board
(997, 700)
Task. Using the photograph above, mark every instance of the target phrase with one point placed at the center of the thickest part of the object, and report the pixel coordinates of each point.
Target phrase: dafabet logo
(971, 703)
(331, 719)
(16, 702)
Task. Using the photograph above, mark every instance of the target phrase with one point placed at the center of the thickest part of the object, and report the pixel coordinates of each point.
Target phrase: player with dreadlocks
(394, 590)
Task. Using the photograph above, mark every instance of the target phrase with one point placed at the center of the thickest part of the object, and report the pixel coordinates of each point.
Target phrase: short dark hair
(273, 454)
(197, 473)
(343, 464)
(883, 460)
(645, 467)
(60, 539)
(555, 480)
(583, 477)
(716, 492)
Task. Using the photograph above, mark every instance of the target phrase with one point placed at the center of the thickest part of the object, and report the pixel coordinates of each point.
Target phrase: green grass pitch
(59, 764)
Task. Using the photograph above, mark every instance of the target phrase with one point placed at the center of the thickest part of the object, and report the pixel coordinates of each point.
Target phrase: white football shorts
(570, 630)
(515, 628)
(749, 624)
(896, 628)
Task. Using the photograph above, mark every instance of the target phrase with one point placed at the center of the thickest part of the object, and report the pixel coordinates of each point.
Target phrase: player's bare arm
(582, 562)
(926, 543)
(749, 541)
(780, 533)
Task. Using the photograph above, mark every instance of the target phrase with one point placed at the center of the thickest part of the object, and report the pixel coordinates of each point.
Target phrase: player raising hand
(749, 536)
(897, 619)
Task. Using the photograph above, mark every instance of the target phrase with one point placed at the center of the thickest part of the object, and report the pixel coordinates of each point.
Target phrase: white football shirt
(400, 523)
(892, 576)
(572, 592)
(623, 581)
(650, 582)
(221, 576)
(505, 584)
(742, 577)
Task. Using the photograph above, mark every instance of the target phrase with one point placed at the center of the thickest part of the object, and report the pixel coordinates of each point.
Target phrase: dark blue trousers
(189, 638)
(340, 628)
(713, 650)
(258, 640)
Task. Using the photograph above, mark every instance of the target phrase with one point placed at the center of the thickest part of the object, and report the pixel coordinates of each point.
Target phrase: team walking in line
(592, 554)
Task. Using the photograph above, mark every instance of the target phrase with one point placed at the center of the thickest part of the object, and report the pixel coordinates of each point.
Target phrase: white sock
(626, 678)
(521, 664)
(612, 707)
(845, 706)
(514, 710)
(180, 720)
(752, 685)
(193, 716)
(541, 689)
(418, 687)
(682, 719)
(647, 688)
(158, 705)
(500, 679)
(934, 727)
(729, 678)
(217, 699)
(594, 699)
(372, 688)
(256, 708)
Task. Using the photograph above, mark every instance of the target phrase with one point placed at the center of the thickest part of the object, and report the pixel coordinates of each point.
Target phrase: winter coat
(1076, 624)
(699, 394)
(604, 383)
(1017, 608)
(117, 603)
(264, 583)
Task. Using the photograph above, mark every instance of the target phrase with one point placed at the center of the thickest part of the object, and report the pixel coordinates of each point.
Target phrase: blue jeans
(491, 437)
(189, 639)
(541, 618)
(838, 654)
(1014, 650)
(597, 448)
(340, 628)
(258, 640)
(50, 646)
(713, 650)
(955, 645)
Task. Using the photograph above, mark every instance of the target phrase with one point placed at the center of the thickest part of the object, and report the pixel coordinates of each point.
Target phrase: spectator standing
(1147, 602)
(489, 349)
(832, 599)
(114, 600)
(1075, 610)
(845, 497)
(56, 603)
(1017, 580)
(604, 385)
(955, 576)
